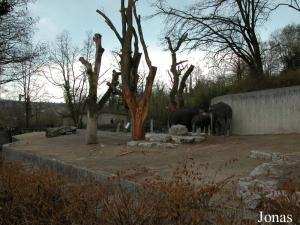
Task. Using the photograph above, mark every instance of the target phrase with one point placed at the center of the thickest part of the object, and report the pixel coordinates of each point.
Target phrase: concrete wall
(9, 153)
(105, 119)
(274, 111)
(4, 139)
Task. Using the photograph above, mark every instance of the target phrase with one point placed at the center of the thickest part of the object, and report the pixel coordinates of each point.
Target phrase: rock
(132, 143)
(57, 131)
(260, 155)
(292, 157)
(266, 180)
(158, 137)
(183, 139)
(147, 144)
(199, 139)
(167, 145)
(276, 194)
(251, 200)
(251, 190)
(273, 169)
(249, 184)
(178, 130)
(274, 156)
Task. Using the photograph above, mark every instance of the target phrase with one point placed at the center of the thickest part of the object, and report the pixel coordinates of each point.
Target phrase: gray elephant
(202, 122)
(183, 117)
(221, 116)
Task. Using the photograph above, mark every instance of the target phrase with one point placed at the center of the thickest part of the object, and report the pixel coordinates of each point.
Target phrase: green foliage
(204, 90)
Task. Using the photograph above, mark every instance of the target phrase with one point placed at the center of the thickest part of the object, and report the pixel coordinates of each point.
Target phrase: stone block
(178, 130)
(57, 131)
(183, 139)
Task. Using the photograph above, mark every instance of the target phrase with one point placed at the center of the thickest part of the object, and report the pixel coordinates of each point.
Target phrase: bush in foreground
(35, 197)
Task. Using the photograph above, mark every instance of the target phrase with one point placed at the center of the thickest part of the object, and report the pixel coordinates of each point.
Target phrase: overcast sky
(79, 16)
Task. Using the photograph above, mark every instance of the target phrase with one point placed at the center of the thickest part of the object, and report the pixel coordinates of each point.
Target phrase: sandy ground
(144, 163)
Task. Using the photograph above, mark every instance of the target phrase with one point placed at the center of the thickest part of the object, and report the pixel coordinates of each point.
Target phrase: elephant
(202, 121)
(183, 117)
(221, 116)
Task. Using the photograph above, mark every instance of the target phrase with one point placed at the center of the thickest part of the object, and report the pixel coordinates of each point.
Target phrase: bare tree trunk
(27, 112)
(138, 123)
(93, 77)
(179, 80)
(91, 128)
(130, 38)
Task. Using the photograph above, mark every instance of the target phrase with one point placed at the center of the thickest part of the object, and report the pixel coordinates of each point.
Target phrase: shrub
(284, 202)
(32, 197)
(37, 197)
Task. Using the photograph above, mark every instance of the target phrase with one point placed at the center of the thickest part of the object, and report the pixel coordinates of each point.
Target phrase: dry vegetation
(35, 197)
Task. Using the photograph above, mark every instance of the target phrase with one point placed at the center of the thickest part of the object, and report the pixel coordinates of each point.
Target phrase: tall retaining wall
(274, 111)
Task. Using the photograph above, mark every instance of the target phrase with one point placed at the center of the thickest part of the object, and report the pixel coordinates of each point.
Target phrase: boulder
(178, 130)
(292, 157)
(57, 131)
(266, 181)
(199, 139)
(183, 139)
(132, 143)
(275, 169)
(167, 145)
(274, 156)
(158, 137)
(251, 190)
(145, 144)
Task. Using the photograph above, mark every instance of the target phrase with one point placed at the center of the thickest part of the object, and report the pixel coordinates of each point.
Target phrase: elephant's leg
(228, 127)
(214, 126)
(201, 128)
(221, 127)
(206, 128)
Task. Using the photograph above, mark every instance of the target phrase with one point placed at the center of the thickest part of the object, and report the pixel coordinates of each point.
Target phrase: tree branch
(110, 24)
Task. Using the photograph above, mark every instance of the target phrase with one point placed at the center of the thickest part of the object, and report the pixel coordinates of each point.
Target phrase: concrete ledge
(78, 173)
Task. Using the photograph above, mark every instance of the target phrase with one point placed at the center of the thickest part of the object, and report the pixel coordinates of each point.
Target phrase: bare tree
(294, 4)
(5, 8)
(16, 28)
(179, 74)
(221, 27)
(130, 38)
(284, 47)
(64, 72)
(93, 78)
(31, 72)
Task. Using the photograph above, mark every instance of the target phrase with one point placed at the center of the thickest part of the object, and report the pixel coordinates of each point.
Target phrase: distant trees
(221, 27)
(130, 39)
(5, 7)
(31, 72)
(64, 72)
(285, 44)
(16, 28)
(179, 73)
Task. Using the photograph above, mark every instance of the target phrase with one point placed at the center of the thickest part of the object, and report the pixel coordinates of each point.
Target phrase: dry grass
(35, 197)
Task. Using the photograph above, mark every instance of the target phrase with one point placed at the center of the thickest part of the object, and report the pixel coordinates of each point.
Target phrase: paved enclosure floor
(112, 154)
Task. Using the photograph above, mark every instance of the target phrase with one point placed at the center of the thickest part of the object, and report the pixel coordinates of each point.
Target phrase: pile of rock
(178, 134)
(265, 181)
(57, 131)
